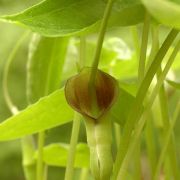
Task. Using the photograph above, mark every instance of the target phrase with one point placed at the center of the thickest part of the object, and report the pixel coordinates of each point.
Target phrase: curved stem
(10, 104)
(140, 124)
(167, 140)
(136, 111)
(27, 143)
(166, 124)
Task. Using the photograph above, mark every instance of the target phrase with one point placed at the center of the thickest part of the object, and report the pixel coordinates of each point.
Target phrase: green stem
(40, 165)
(10, 104)
(150, 143)
(100, 40)
(164, 108)
(166, 124)
(140, 124)
(117, 134)
(136, 111)
(28, 150)
(84, 174)
(97, 57)
(144, 43)
(82, 53)
(141, 72)
(151, 150)
(136, 40)
(137, 161)
(167, 141)
(155, 44)
(27, 143)
(72, 149)
(77, 121)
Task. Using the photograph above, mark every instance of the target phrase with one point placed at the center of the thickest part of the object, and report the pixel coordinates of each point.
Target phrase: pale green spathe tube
(99, 138)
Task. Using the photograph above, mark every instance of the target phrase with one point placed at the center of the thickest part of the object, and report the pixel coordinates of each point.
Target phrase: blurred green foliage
(10, 152)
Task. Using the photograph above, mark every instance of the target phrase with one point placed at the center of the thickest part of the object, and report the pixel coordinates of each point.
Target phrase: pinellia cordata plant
(111, 89)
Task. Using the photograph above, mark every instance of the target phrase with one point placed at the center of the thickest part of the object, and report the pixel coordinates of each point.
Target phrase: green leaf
(45, 64)
(56, 155)
(62, 17)
(165, 11)
(174, 84)
(52, 111)
(48, 112)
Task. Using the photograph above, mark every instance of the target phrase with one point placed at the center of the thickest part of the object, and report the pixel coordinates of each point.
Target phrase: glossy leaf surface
(62, 17)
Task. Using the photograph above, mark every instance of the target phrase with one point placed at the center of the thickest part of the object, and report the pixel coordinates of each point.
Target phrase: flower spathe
(78, 96)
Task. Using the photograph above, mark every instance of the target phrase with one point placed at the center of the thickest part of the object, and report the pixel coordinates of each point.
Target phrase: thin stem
(137, 161)
(167, 141)
(150, 143)
(164, 108)
(136, 111)
(28, 150)
(84, 174)
(149, 125)
(97, 57)
(117, 134)
(40, 165)
(72, 149)
(77, 121)
(10, 104)
(136, 41)
(155, 44)
(166, 123)
(27, 143)
(140, 124)
(141, 72)
(144, 43)
(82, 53)
(100, 40)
